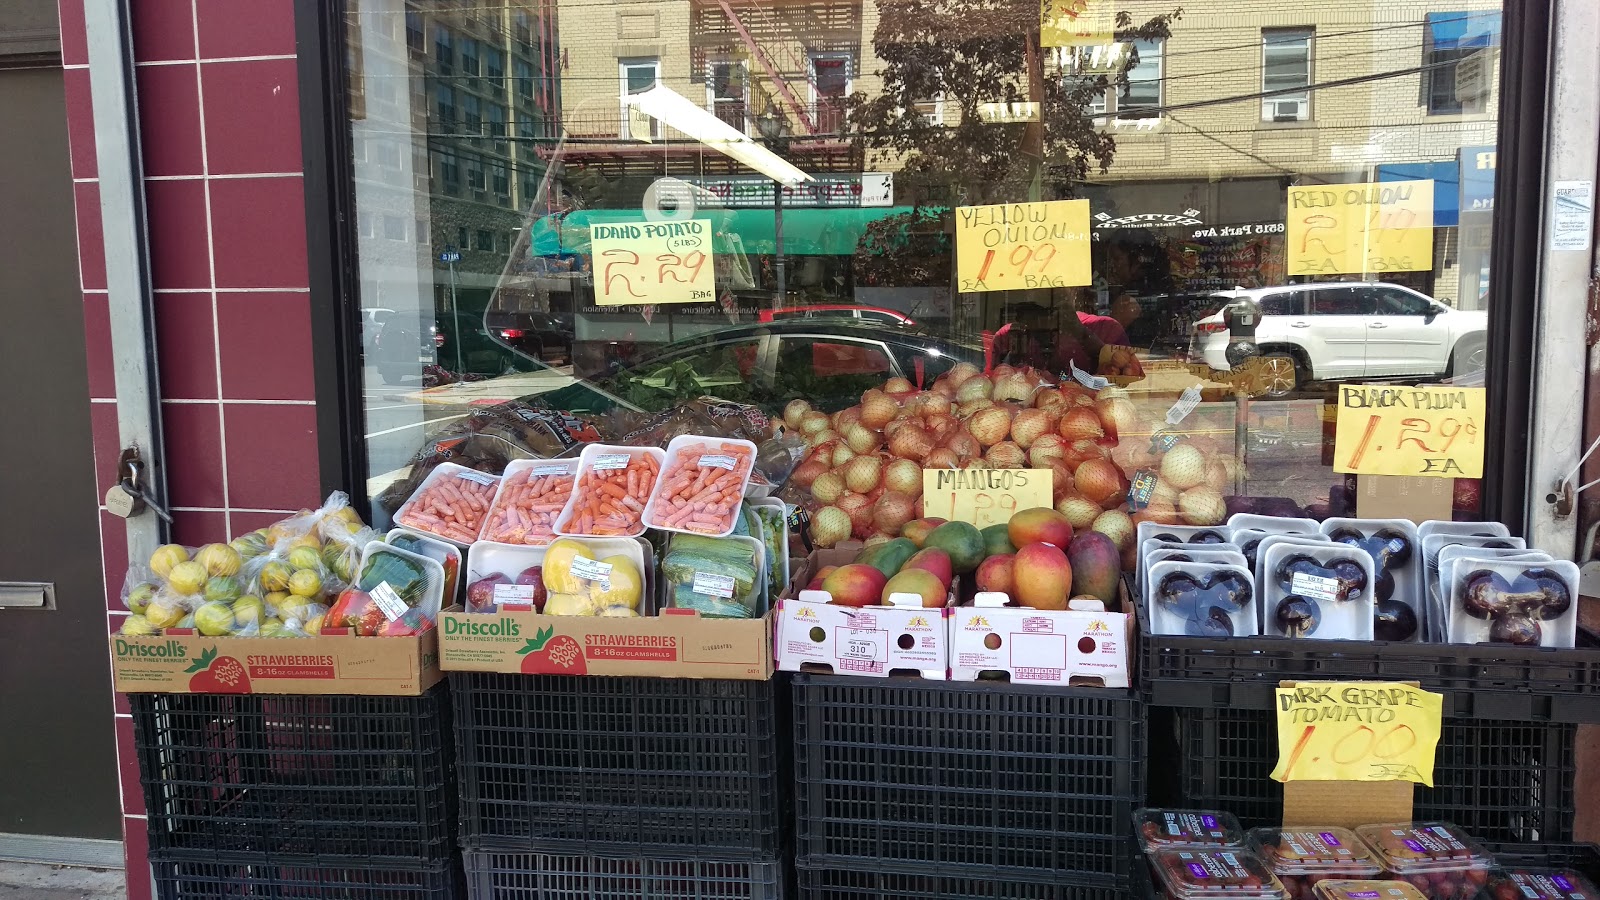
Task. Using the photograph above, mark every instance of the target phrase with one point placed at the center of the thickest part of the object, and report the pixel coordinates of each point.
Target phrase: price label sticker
(1092, 382)
(388, 600)
(1314, 587)
(548, 471)
(718, 462)
(591, 569)
(861, 645)
(1187, 401)
(1427, 431)
(1357, 731)
(607, 461)
(713, 585)
(477, 477)
(514, 595)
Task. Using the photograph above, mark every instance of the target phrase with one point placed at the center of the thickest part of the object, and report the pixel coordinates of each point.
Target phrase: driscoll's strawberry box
(1081, 645)
(816, 635)
(675, 644)
(184, 662)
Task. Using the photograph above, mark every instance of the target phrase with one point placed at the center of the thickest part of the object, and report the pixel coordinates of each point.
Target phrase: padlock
(123, 502)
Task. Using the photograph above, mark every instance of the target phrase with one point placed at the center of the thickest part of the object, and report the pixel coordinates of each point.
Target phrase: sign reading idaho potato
(1013, 246)
(1357, 731)
(1433, 432)
(1384, 226)
(984, 497)
(653, 262)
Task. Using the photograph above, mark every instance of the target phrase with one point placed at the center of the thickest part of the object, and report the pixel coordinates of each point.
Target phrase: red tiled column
(218, 111)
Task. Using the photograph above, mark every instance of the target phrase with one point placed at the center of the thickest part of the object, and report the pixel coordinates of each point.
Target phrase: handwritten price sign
(984, 497)
(1376, 227)
(653, 262)
(1076, 23)
(1434, 432)
(1357, 731)
(1022, 245)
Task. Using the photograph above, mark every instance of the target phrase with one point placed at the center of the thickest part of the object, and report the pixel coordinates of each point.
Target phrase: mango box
(815, 635)
(183, 662)
(1079, 647)
(675, 644)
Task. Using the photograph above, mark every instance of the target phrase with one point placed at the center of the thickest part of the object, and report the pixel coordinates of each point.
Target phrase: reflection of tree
(908, 249)
(972, 52)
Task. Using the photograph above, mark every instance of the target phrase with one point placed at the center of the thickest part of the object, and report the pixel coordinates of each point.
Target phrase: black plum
(1298, 616)
(1515, 629)
(1214, 623)
(1394, 621)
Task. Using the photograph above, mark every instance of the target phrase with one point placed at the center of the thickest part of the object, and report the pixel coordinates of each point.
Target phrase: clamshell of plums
(1195, 551)
(1520, 603)
(1201, 599)
(1321, 591)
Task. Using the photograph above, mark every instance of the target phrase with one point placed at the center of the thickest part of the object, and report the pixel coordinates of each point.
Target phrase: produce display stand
(619, 787)
(914, 788)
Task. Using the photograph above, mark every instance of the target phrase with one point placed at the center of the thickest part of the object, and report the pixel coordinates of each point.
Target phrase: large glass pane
(1261, 202)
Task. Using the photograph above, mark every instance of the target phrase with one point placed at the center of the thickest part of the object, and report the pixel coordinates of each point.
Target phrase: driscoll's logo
(497, 628)
(168, 650)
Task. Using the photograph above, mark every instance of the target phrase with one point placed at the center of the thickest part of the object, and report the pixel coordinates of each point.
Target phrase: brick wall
(218, 111)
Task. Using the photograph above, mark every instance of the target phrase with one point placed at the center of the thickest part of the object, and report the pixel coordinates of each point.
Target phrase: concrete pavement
(33, 881)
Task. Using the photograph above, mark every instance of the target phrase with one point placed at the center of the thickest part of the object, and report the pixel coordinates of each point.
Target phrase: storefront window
(811, 201)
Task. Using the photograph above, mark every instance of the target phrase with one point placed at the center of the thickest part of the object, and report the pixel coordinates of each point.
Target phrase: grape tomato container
(1554, 624)
(1313, 577)
(515, 518)
(710, 460)
(419, 513)
(1222, 874)
(1438, 858)
(1150, 545)
(1298, 854)
(1168, 618)
(1164, 829)
(608, 457)
(1365, 889)
(1540, 884)
(1467, 529)
(1271, 524)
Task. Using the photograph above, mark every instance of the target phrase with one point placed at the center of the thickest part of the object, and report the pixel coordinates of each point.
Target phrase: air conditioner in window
(1286, 110)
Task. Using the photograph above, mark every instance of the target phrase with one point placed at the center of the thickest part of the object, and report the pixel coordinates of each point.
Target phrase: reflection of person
(1125, 309)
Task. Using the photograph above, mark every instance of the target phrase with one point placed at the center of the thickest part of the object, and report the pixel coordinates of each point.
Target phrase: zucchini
(733, 551)
(680, 566)
(685, 598)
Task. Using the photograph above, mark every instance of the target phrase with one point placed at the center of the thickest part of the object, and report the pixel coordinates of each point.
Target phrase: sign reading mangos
(1014, 246)
(1384, 226)
(985, 497)
(653, 262)
(1357, 731)
(1433, 432)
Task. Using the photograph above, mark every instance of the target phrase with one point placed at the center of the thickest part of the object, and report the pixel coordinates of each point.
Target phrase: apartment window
(414, 39)
(469, 57)
(485, 241)
(1141, 96)
(931, 110)
(471, 114)
(444, 52)
(522, 78)
(461, 237)
(475, 174)
(450, 172)
(500, 180)
(728, 92)
(394, 228)
(638, 74)
(830, 84)
(1457, 61)
(497, 125)
(522, 27)
(445, 108)
(1286, 74)
(494, 70)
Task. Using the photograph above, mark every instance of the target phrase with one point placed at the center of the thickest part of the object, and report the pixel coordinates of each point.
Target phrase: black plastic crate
(497, 875)
(1584, 858)
(361, 777)
(832, 883)
(1482, 681)
(984, 780)
(182, 876)
(1502, 781)
(574, 762)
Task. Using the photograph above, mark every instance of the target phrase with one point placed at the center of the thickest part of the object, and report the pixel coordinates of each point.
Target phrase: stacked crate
(612, 788)
(989, 791)
(306, 796)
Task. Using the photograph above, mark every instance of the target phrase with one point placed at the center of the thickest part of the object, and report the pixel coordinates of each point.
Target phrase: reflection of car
(372, 319)
(401, 349)
(829, 362)
(540, 336)
(874, 314)
(1317, 332)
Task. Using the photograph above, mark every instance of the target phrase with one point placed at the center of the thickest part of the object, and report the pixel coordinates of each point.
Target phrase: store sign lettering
(1147, 220)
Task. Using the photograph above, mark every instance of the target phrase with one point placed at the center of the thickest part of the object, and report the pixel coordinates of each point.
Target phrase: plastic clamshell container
(604, 455)
(751, 601)
(1540, 884)
(1509, 579)
(770, 510)
(1364, 889)
(1451, 864)
(515, 517)
(428, 596)
(1224, 874)
(1334, 579)
(1314, 850)
(685, 444)
(1165, 829)
(1176, 618)
(412, 515)
(488, 558)
(441, 551)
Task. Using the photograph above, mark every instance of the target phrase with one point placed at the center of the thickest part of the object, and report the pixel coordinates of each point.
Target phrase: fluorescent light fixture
(678, 111)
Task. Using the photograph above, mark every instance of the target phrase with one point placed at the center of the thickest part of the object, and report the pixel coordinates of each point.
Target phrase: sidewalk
(32, 881)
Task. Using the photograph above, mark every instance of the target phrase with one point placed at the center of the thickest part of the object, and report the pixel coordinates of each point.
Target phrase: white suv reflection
(1347, 330)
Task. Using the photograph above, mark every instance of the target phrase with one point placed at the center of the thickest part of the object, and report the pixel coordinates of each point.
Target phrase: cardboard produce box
(1086, 647)
(815, 635)
(184, 662)
(675, 644)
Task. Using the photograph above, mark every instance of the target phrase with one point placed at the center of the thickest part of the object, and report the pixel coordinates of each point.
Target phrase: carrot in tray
(611, 492)
(526, 509)
(702, 487)
(451, 504)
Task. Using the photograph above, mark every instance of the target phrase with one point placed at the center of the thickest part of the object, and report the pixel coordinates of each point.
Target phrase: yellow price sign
(984, 497)
(1384, 226)
(1075, 23)
(1357, 731)
(1434, 432)
(653, 262)
(1014, 246)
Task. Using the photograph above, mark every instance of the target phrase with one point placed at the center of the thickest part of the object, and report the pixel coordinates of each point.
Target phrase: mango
(1043, 577)
(997, 574)
(932, 559)
(997, 540)
(924, 584)
(1096, 567)
(855, 585)
(1040, 525)
(962, 541)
